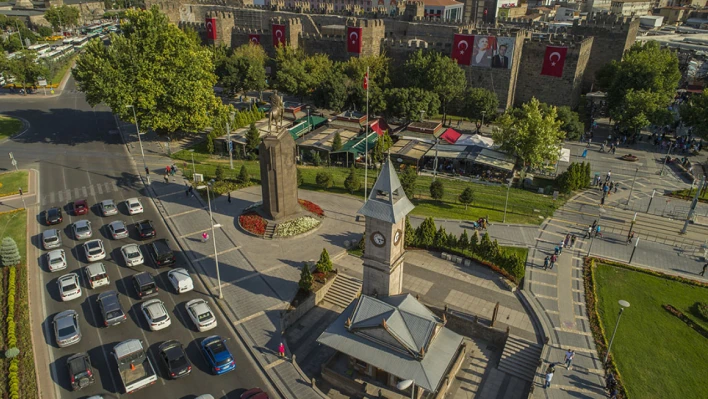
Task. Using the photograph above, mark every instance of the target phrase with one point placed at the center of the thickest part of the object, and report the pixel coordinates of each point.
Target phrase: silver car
(94, 250)
(108, 207)
(56, 260)
(51, 238)
(132, 255)
(117, 229)
(69, 287)
(82, 230)
(156, 314)
(66, 328)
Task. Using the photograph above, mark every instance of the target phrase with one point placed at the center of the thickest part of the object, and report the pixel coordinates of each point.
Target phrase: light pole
(666, 159)
(228, 139)
(636, 243)
(213, 238)
(623, 304)
(405, 384)
(140, 141)
(694, 203)
(632, 188)
(650, 200)
(508, 187)
(193, 171)
(435, 163)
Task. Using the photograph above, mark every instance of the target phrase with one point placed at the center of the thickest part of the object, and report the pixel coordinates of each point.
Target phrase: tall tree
(480, 104)
(155, 67)
(253, 138)
(62, 16)
(25, 68)
(694, 113)
(331, 93)
(379, 79)
(244, 69)
(407, 103)
(383, 143)
(530, 134)
(299, 74)
(569, 119)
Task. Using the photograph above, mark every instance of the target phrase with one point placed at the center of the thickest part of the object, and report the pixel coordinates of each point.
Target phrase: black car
(54, 216)
(144, 284)
(175, 359)
(161, 253)
(111, 309)
(80, 371)
(145, 229)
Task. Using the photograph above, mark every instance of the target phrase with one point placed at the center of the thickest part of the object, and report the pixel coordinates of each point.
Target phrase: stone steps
(520, 358)
(343, 291)
(269, 231)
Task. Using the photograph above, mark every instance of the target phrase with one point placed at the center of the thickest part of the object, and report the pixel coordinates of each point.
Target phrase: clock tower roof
(387, 200)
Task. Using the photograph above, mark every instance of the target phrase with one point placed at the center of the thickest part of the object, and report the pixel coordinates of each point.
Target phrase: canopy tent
(475, 140)
(495, 159)
(564, 155)
(301, 126)
(450, 135)
(357, 145)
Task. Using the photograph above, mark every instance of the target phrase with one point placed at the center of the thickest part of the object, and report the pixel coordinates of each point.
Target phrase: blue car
(218, 355)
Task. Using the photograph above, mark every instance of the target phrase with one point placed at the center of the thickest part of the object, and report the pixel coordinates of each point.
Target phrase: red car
(254, 393)
(80, 207)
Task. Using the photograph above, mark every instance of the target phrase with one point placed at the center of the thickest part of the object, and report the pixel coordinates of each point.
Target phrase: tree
(379, 71)
(244, 69)
(336, 142)
(331, 93)
(409, 234)
(299, 74)
(352, 183)
(467, 196)
(694, 113)
(383, 143)
(324, 179)
(425, 233)
(570, 123)
(243, 176)
(440, 239)
(219, 173)
(9, 254)
(44, 31)
(157, 68)
(299, 177)
(253, 138)
(464, 242)
(408, 178)
(306, 278)
(324, 265)
(407, 103)
(437, 190)
(576, 177)
(25, 68)
(530, 134)
(474, 242)
(61, 16)
(480, 104)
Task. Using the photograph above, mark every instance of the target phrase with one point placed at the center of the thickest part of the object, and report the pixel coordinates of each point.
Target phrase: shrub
(9, 254)
(425, 233)
(464, 241)
(408, 178)
(576, 177)
(306, 278)
(336, 142)
(223, 187)
(219, 173)
(702, 310)
(440, 239)
(362, 243)
(409, 238)
(316, 158)
(253, 138)
(243, 176)
(467, 197)
(324, 265)
(299, 177)
(437, 190)
(474, 241)
(352, 183)
(12, 352)
(324, 179)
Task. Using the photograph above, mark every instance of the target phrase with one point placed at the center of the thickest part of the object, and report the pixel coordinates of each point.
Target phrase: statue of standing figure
(276, 111)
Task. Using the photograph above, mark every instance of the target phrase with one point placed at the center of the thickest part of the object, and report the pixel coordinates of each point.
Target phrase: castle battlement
(197, 26)
(321, 37)
(249, 31)
(222, 15)
(558, 39)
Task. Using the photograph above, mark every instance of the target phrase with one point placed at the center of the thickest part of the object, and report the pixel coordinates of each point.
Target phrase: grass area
(10, 182)
(9, 126)
(524, 206)
(690, 193)
(61, 71)
(658, 355)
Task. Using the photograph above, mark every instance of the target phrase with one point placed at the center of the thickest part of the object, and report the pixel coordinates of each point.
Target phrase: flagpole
(366, 138)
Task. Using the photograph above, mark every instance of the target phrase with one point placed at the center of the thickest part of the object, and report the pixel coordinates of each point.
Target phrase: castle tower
(385, 213)
(278, 175)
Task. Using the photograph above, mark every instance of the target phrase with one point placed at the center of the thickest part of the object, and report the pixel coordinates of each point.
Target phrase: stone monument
(279, 175)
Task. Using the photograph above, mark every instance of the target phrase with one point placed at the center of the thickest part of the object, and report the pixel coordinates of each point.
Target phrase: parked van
(96, 275)
(180, 280)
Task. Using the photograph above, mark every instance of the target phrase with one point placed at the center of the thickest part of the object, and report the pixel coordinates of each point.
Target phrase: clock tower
(385, 213)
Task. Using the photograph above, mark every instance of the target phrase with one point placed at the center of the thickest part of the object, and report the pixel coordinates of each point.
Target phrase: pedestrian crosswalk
(72, 194)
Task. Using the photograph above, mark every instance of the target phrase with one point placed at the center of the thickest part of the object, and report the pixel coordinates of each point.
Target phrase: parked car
(175, 359)
(144, 285)
(81, 207)
(80, 371)
(180, 280)
(82, 229)
(54, 216)
(111, 309)
(69, 287)
(56, 260)
(94, 250)
(254, 393)
(51, 238)
(134, 206)
(217, 354)
(117, 229)
(156, 314)
(161, 253)
(108, 207)
(132, 255)
(201, 314)
(145, 229)
(96, 275)
(67, 331)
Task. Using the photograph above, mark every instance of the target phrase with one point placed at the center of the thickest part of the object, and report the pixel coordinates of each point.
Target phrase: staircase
(520, 358)
(343, 291)
(270, 231)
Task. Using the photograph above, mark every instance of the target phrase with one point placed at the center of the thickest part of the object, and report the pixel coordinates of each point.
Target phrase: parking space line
(100, 190)
(258, 314)
(218, 253)
(91, 190)
(184, 213)
(76, 192)
(61, 196)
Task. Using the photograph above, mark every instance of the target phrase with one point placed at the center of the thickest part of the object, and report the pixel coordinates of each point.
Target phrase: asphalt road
(70, 144)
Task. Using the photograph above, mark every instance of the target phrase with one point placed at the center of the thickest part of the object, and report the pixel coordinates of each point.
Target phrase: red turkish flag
(554, 61)
(354, 40)
(462, 49)
(254, 38)
(278, 35)
(366, 81)
(211, 28)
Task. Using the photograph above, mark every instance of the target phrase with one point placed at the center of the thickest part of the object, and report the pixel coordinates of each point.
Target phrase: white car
(108, 207)
(132, 255)
(134, 206)
(156, 314)
(180, 280)
(118, 229)
(56, 260)
(94, 250)
(69, 287)
(82, 229)
(201, 314)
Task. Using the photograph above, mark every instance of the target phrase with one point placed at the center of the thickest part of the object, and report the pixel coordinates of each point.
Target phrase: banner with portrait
(503, 52)
(483, 51)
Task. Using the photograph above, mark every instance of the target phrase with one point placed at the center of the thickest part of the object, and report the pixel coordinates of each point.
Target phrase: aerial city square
(254, 199)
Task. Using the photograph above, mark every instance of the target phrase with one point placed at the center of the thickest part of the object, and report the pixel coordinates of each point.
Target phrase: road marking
(61, 196)
(571, 388)
(579, 303)
(545, 296)
(552, 311)
(76, 192)
(100, 190)
(115, 186)
(169, 194)
(576, 349)
(44, 200)
(198, 232)
(218, 253)
(91, 191)
(108, 187)
(84, 192)
(68, 195)
(184, 213)
(572, 331)
(544, 284)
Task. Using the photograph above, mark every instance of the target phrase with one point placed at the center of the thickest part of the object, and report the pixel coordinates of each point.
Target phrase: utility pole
(693, 205)
(508, 187)
(665, 159)
(651, 199)
(632, 188)
(633, 250)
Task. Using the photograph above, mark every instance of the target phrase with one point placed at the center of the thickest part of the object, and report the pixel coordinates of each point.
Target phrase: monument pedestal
(279, 176)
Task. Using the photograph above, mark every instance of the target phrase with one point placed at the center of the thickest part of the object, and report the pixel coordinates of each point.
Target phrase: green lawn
(690, 193)
(9, 126)
(524, 206)
(61, 71)
(13, 224)
(521, 252)
(10, 182)
(658, 355)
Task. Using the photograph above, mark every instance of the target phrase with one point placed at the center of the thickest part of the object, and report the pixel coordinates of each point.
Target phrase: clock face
(378, 239)
(397, 237)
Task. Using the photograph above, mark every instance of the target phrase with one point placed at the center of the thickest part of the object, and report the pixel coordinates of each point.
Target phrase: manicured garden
(10, 182)
(656, 353)
(9, 126)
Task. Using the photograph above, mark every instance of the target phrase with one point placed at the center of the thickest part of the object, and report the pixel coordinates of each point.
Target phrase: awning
(300, 126)
(451, 151)
(475, 140)
(359, 145)
(450, 135)
(564, 155)
(495, 159)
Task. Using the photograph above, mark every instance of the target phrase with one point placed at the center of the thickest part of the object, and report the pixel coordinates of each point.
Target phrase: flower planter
(253, 223)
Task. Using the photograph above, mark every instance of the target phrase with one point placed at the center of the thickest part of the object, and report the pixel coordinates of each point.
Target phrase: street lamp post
(405, 384)
(213, 238)
(632, 189)
(623, 304)
(508, 187)
(480, 126)
(435, 163)
(228, 139)
(137, 128)
(636, 243)
(193, 171)
(666, 159)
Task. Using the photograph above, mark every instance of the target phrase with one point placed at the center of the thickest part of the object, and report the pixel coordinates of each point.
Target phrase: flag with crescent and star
(354, 39)
(254, 38)
(554, 61)
(211, 28)
(366, 81)
(278, 35)
(462, 47)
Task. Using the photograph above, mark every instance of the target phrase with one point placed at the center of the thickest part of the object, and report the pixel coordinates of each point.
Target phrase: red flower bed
(253, 223)
(311, 207)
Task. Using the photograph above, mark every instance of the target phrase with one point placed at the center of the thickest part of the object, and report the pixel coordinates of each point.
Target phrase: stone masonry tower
(278, 175)
(385, 213)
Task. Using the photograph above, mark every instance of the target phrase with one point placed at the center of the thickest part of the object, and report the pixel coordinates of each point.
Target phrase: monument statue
(276, 111)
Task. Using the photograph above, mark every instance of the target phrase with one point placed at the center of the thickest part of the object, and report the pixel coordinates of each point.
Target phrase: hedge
(28, 380)
(13, 377)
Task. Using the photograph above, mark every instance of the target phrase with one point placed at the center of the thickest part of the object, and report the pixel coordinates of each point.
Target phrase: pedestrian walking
(703, 272)
(589, 233)
(569, 358)
(630, 237)
(556, 251)
(598, 232)
(205, 236)
(612, 186)
(560, 248)
(281, 350)
(167, 170)
(572, 241)
(186, 193)
(614, 393)
(546, 262)
(549, 374)
(554, 258)
(228, 197)
(167, 179)
(594, 224)
(191, 190)
(602, 201)
(609, 175)
(567, 240)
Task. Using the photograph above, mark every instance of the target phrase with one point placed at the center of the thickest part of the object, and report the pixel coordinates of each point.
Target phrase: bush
(425, 233)
(324, 179)
(437, 190)
(702, 310)
(464, 241)
(324, 265)
(223, 187)
(575, 178)
(306, 278)
(12, 352)
(9, 254)
(316, 158)
(352, 183)
(440, 239)
(219, 173)
(408, 178)
(409, 238)
(299, 177)
(243, 176)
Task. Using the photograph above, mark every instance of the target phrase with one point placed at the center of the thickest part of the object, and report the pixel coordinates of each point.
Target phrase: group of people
(595, 229)
(551, 369)
(567, 242)
(607, 187)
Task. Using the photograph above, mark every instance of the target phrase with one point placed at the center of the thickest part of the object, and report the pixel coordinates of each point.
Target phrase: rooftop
(441, 3)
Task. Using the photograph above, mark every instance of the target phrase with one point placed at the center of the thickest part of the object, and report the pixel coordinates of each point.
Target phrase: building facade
(448, 10)
(631, 8)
